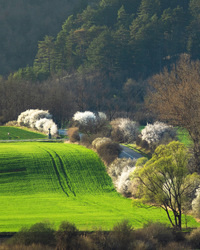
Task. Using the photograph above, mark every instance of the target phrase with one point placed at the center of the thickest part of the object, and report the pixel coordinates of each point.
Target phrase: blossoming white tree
(89, 122)
(37, 119)
(120, 171)
(196, 203)
(124, 129)
(158, 133)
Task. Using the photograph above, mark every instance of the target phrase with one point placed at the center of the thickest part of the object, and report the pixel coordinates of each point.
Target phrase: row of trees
(66, 95)
(139, 38)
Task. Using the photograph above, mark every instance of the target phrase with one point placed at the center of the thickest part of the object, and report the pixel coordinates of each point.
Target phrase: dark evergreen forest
(99, 58)
(24, 22)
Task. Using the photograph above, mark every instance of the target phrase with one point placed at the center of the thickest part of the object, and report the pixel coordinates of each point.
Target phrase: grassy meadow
(14, 133)
(58, 181)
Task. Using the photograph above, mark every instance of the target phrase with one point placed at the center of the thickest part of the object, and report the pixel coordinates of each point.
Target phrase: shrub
(39, 233)
(120, 171)
(158, 133)
(120, 236)
(117, 135)
(66, 236)
(37, 119)
(109, 152)
(73, 134)
(157, 232)
(124, 130)
(175, 246)
(87, 140)
(194, 238)
(135, 182)
(45, 124)
(144, 144)
(89, 122)
(24, 247)
(12, 124)
(196, 203)
(100, 239)
(100, 141)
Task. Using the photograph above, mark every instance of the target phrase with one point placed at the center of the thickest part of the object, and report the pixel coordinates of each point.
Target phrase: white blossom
(196, 203)
(128, 129)
(84, 117)
(37, 119)
(154, 133)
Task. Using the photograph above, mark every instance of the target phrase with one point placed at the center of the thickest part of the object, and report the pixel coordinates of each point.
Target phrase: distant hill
(23, 23)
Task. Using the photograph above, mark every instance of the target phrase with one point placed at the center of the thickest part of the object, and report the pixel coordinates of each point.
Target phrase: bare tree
(174, 97)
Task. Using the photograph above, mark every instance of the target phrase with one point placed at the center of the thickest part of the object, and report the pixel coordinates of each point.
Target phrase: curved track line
(64, 173)
(56, 170)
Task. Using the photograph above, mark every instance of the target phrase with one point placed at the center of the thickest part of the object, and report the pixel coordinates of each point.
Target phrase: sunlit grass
(57, 182)
(14, 133)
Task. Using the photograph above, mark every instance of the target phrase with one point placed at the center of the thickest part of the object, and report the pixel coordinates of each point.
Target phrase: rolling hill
(14, 133)
(58, 181)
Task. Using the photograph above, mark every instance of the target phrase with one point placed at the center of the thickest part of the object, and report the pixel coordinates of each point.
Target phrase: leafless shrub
(109, 152)
(194, 238)
(73, 134)
(100, 141)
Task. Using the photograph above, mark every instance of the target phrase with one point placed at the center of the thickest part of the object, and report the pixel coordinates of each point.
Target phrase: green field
(56, 181)
(14, 133)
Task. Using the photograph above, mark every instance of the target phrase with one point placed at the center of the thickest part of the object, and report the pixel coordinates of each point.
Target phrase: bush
(39, 233)
(121, 236)
(157, 232)
(175, 246)
(100, 239)
(87, 140)
(100, 141)
(109, 152)
(89, 122)
(124, 130)
(117, 135)
(158, 133)
(194, 238)
(12, 124)
(144, 144)
(66, 236)
(196, 204)
(120, 171)
(73, 134)
(24, 247)
(37, 119)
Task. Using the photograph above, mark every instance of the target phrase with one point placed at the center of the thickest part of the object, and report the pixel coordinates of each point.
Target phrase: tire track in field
(64, 173)
(56, 170)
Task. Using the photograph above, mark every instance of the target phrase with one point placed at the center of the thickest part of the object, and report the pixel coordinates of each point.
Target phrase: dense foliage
(100, 59)
(139, 37)
(165, 180)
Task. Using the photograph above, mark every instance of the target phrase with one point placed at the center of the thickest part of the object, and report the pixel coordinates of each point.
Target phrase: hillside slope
(57, 182)
(14, 133)
(27, 168)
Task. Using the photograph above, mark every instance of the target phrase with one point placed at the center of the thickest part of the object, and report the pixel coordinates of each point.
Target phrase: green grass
(14, 133)
(55, 181)
(184, 137)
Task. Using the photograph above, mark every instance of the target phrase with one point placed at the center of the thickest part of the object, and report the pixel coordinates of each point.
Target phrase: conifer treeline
(139, 37)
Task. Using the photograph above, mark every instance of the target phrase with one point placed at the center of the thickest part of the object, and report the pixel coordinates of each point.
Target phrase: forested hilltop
(139, 37)
(101, 58)
(24, 22)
